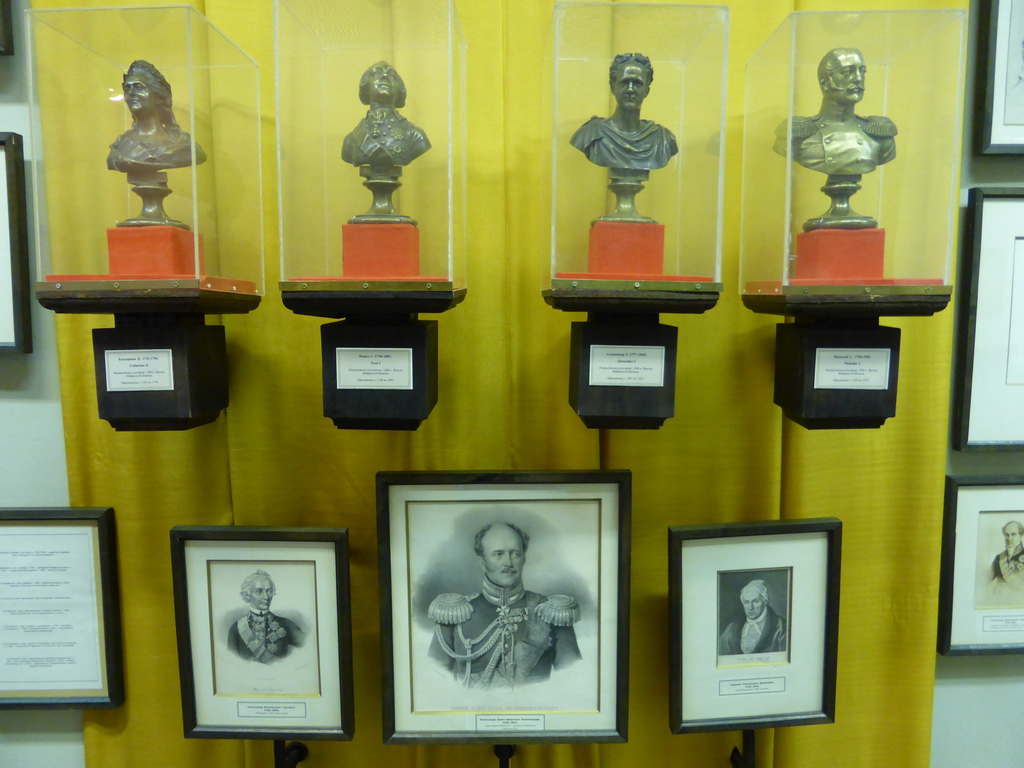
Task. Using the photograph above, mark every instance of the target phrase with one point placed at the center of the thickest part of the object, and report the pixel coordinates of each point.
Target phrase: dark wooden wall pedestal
(198, 368)
(626, 314)
(854, 347)
(377, 318)
(376, 399)
(619, 405)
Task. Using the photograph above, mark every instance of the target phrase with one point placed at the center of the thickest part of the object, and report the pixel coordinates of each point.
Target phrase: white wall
(33, 466)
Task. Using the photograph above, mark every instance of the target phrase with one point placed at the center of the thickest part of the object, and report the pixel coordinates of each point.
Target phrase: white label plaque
(1002, 623)
(850, 368)
(139, 370)
(366, 368)
(622, 366)
(752, 685)
(266, 709)
(510, 722)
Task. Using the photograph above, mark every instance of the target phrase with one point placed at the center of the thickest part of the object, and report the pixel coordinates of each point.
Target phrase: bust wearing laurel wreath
(505, 635)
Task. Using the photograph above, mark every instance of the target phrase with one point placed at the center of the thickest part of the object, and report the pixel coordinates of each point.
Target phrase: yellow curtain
(728, 455)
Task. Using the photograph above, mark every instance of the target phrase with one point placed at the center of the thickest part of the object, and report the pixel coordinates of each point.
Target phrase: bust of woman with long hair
(155, 142)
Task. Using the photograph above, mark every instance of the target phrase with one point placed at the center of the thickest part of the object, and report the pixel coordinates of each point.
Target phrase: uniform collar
(499, 595)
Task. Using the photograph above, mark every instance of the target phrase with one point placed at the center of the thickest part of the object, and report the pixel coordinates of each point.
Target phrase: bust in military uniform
(837, 141)
(504, 635)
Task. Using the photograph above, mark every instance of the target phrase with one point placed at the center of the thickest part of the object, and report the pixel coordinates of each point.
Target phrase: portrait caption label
(1002, 623)
(365, 368)
(622, 366)
(751, 685)
(49, 627)
(261, 709)
(847, 368)
(510, 722)
(139, 370)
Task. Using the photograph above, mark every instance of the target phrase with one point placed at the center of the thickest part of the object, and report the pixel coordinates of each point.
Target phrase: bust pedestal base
(838, 374)
(160, 372)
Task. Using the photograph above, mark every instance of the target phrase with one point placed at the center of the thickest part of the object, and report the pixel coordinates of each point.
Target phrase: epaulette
(802, 127)
(559, 610)
(450, 608)
(880, 126)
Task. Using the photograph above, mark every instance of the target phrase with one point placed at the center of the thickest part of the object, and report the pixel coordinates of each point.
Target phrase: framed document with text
(754, 623)
(988, 399)
(504, 606)
(60, 619)
(264, 632)
(981, 584)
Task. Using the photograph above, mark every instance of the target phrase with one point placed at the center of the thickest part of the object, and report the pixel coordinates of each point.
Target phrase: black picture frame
(426, 527)
(716, 687)
(6, 29)
(988, 401)
(995, 132)
(226, 696)
(80, 544)
(16, 324)
(979, 613)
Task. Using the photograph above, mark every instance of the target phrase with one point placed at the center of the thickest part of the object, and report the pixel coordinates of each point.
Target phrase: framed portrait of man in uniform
(504, 606)
(981, 586)
(264, 632)
(754, 623)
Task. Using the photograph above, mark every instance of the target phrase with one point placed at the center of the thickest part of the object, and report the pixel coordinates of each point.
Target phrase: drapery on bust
(836, 141)
(383, 137)
(155, 142)
(624, 140)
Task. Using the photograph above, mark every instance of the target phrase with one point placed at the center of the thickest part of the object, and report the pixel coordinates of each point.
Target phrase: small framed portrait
(999, 114)
(754, 622)
(264, 632)
(981, 587)
(504, 606)
(60, 616)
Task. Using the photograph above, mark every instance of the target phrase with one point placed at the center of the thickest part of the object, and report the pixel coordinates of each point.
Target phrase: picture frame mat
(808, 554)
(991, 396)
(217, 712)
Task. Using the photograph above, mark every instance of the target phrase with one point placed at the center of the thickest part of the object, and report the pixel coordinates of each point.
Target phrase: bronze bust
(383, 137)
(383, 142)
(155, 140)
(629, 147)
(153, 144)
(624, 140)
(837, 141)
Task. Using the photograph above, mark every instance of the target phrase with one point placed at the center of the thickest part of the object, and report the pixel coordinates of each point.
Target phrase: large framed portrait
(15, 301)
(981, 586)
(264, 632)
(999, 114)
(504, 606)
(754, 623)
(60, 615)
(988, 402)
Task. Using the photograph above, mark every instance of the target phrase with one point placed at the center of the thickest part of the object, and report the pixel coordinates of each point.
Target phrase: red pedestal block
(158, 251)
(840, 254)
(380, 251)
(622, 247)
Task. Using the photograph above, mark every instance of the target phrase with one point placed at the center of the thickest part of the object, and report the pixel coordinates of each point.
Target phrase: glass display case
(637, 166)
(146, 133)
(372, 177)
(850, 162)
(851, 157)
